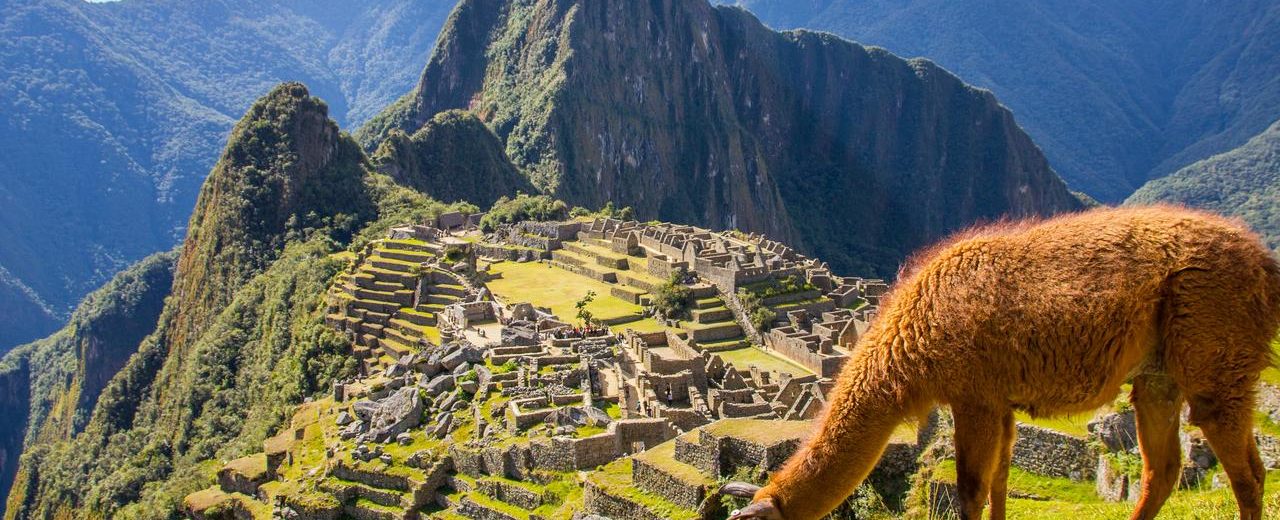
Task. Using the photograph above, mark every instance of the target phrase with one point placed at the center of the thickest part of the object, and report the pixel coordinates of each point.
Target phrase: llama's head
(758, 510)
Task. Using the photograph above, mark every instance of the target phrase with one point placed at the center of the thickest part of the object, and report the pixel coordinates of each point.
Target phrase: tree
(672, 298)
(585, 315)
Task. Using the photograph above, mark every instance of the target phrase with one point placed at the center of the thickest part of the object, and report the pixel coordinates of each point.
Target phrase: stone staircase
(497, 498)
(376, 302)
(372, 494)
(593, 258)
(674, 479)
(713, 327)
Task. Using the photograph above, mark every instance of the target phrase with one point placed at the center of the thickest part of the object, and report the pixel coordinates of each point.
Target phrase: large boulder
(440, 384)
(1116, 431)
(455, 357)
(395, 414)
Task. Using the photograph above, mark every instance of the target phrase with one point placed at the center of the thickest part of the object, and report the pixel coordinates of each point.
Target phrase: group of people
(581, 331)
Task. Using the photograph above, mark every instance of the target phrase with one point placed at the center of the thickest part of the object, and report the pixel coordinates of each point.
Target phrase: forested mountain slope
(112, 113)
(1244, 182)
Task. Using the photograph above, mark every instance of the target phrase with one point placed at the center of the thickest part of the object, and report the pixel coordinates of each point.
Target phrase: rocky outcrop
(679, 109)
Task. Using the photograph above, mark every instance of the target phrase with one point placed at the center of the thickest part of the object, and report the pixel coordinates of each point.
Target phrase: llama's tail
(869, 401)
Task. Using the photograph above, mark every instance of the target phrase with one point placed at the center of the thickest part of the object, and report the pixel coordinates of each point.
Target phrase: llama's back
(1043, 311)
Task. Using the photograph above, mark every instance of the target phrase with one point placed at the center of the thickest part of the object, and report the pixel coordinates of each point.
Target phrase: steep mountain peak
(696, 113)
(286, 168)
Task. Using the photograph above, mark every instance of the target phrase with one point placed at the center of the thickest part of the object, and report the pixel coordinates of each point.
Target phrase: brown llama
(1052, 317)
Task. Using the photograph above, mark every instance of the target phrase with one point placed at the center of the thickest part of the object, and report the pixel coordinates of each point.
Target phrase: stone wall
(1046, 452)
(672, 489)
(373, 478)
(596, 450)
(509, 493)
(650, 432)
(470, 509)
(616, 508)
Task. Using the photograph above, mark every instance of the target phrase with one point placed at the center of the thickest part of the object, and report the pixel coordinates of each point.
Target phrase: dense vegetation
(1244, 183)
(241, 338)
(1116, 93)
(858, 157)
(523, 207)
(454, 157)
(671, 300)
(62, 375)
(112, 113)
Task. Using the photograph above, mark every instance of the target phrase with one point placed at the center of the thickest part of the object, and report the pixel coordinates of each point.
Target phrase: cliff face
(15, 404)
(49, 387)
(696, 113)
(1117, 93)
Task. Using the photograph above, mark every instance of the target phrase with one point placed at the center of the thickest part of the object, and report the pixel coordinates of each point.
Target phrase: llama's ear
(739, 489)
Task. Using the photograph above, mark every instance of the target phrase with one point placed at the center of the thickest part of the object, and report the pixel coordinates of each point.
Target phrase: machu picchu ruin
(601, 368)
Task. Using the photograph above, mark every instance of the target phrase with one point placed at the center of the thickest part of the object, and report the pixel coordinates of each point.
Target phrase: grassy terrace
(615, 479)
(557, 289)
(744, 357)
(664, 457)
(768, 432)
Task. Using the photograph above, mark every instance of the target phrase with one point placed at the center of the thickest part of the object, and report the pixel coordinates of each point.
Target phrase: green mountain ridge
(700, 114)
(144, 93)
(1244, 183)
(1117, 93)
(51, 386)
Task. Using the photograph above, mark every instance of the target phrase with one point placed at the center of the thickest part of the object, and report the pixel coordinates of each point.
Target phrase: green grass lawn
(1064, 499)
(743, 358)
(557, 289)
(1272, 375)
(1074, 425)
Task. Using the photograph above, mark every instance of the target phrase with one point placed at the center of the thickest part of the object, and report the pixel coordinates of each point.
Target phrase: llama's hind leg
(1157, 402)
(1000, 479)
(976, 455)
(1228, 426)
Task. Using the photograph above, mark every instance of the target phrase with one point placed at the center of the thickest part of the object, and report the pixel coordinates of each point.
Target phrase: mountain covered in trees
(1244, 183)
(1117, 93)
(694, 113)
(112, 113)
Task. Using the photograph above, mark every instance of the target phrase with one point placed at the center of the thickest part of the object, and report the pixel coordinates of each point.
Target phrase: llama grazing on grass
(1052, 317)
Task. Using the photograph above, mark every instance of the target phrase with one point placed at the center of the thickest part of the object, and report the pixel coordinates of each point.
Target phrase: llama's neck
(869, 401)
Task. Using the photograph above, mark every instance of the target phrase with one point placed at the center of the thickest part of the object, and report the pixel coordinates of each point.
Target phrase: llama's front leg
(1000, 479)
(1156, 403)
(976, 455)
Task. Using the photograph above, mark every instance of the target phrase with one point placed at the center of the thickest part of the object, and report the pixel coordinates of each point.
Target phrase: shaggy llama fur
(1052, 317)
